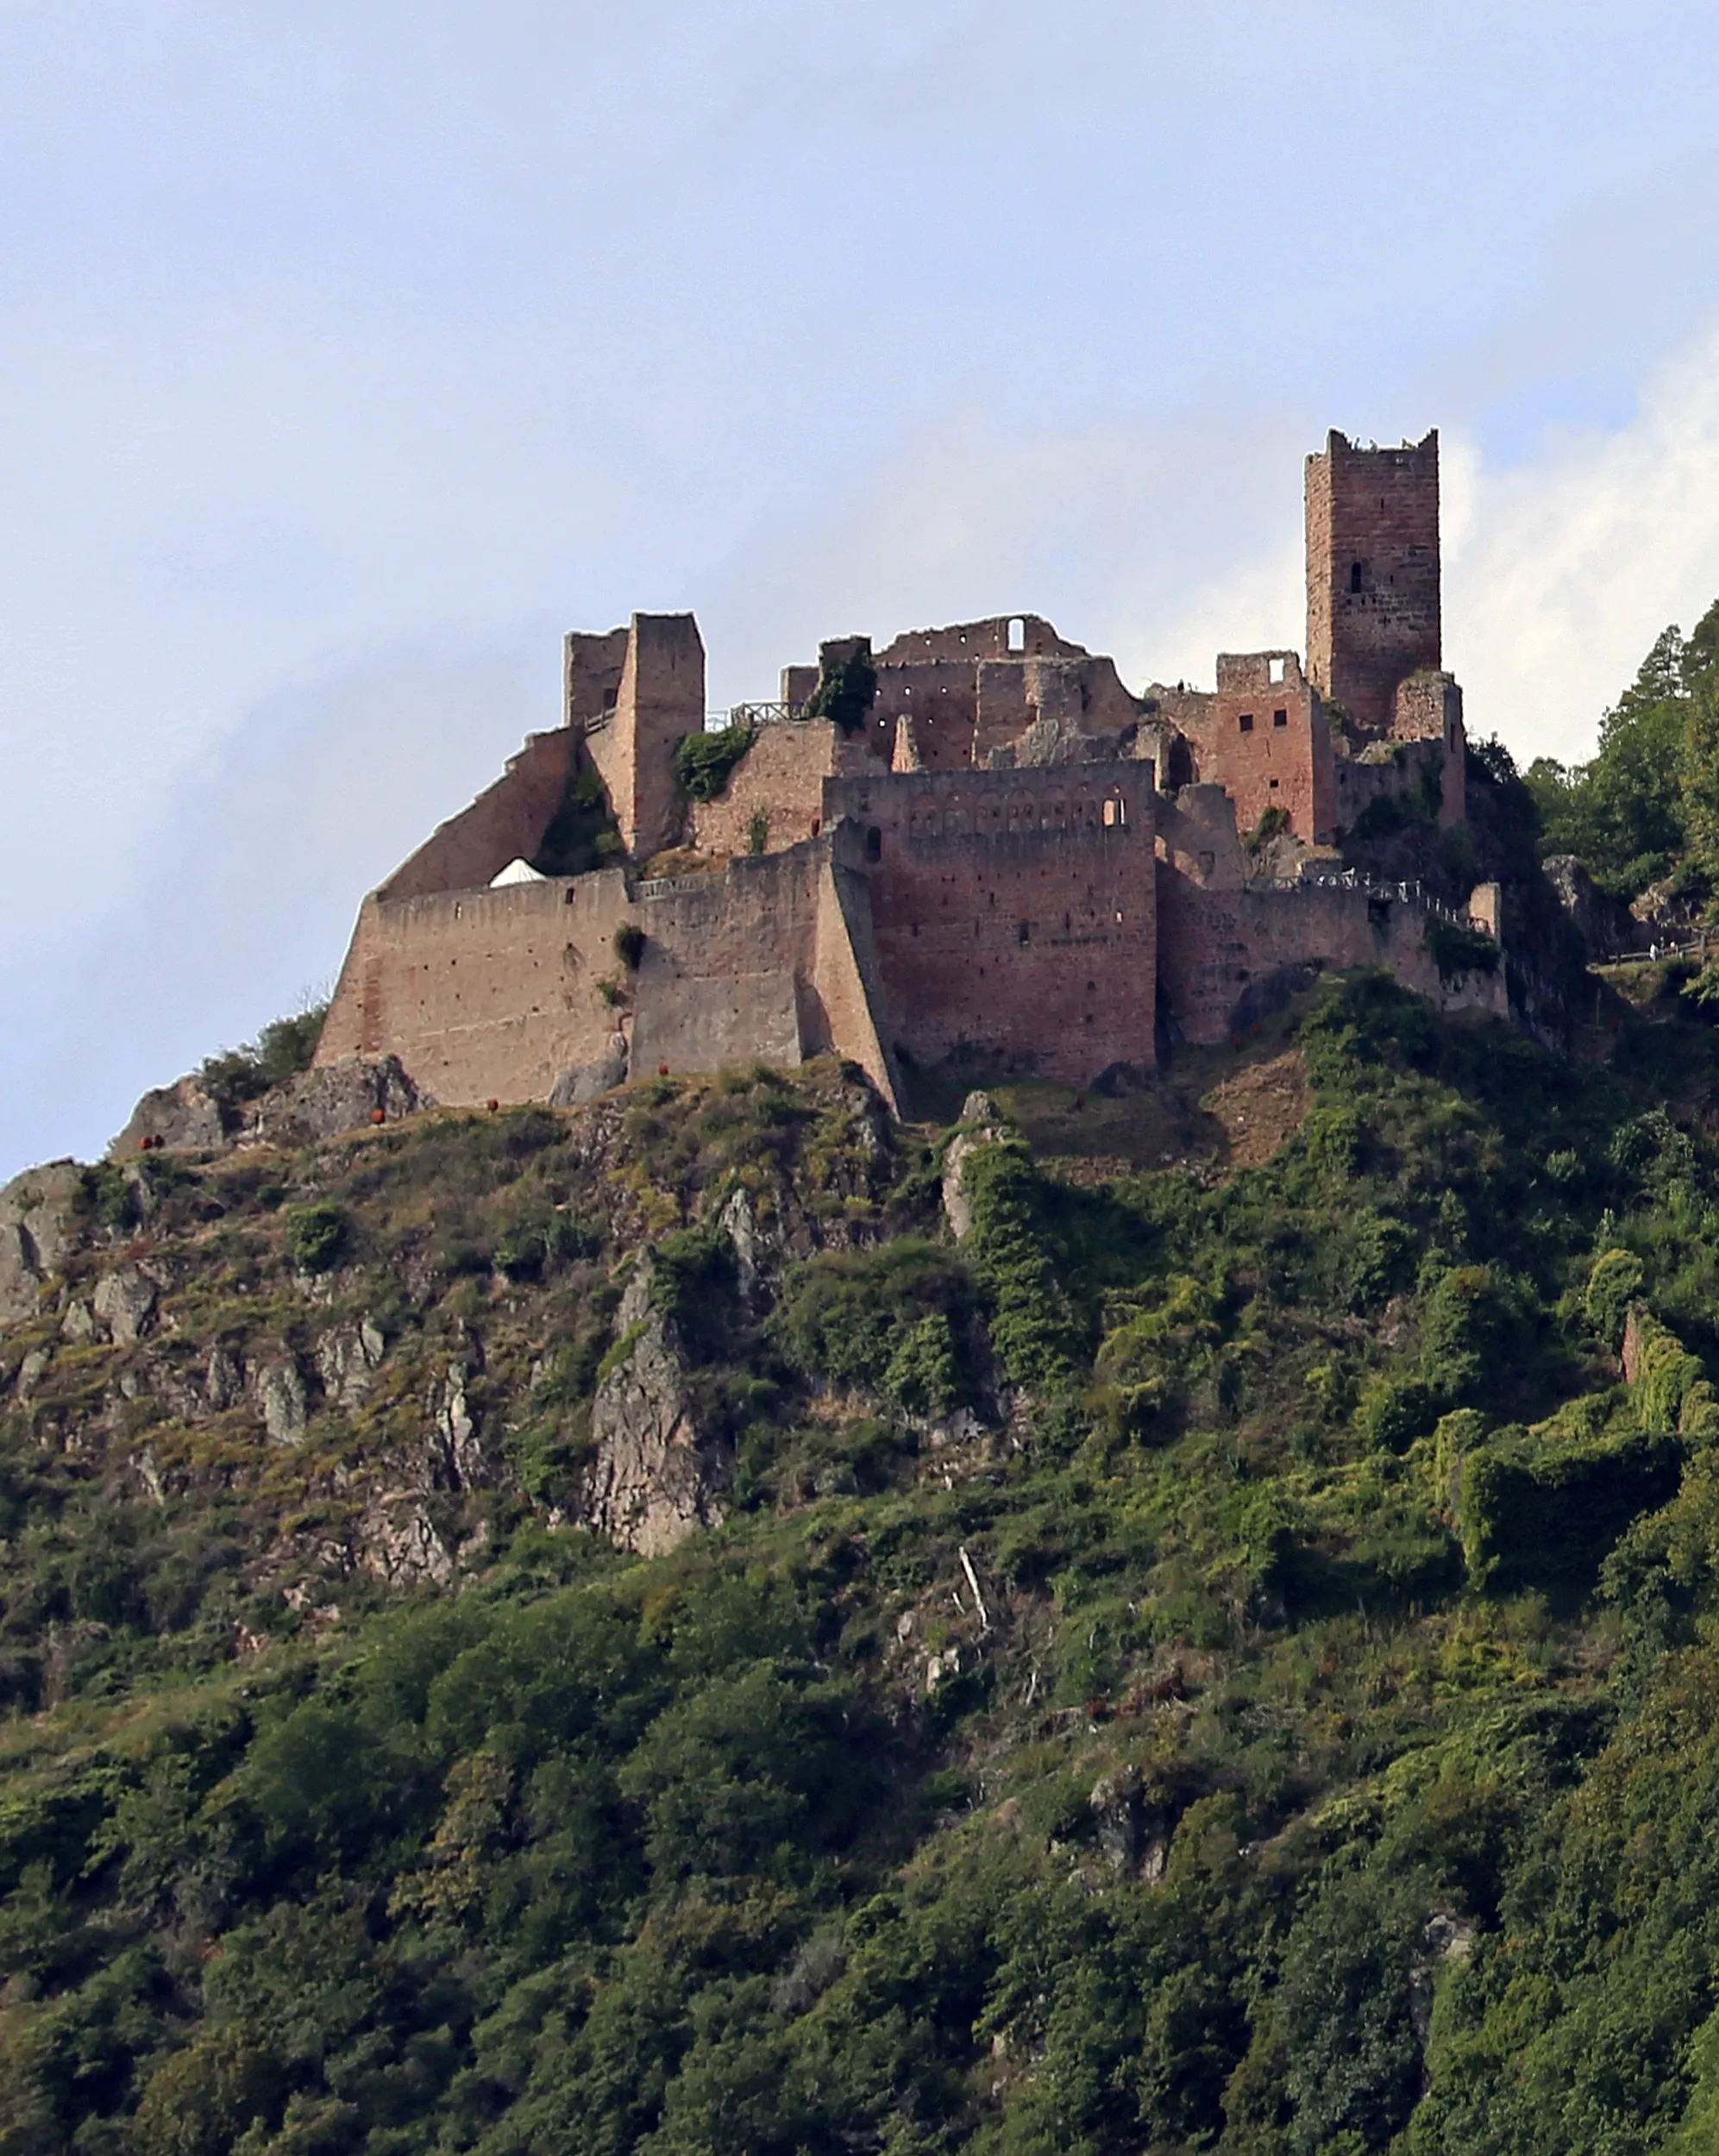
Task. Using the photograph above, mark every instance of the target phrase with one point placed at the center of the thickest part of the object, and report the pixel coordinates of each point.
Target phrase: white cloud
(1562, 571)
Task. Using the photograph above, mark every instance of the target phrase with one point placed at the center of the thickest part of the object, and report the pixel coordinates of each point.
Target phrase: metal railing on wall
(1403, 893)
(753, 715)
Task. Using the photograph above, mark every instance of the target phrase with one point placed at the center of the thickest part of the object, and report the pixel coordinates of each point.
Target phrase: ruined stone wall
(940, 698)
(1221, 951)
(1267, 741)
(769, 962)
(960, 710)
(482, 993)
(1372, 572)
(505, 823)
(591, 673)
(1390, 770)
(492, 994)
(781, 779)
(1195, 832)
(971, 641)
(1014, 913)
(1428, 707)
(660, 697)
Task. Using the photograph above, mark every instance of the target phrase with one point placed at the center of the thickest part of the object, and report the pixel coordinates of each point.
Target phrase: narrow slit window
(1024, 932)
(873, 844)
(1355, 573)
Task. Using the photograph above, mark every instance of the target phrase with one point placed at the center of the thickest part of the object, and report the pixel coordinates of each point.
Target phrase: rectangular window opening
(1280, 718)
(1246, 721)
(1273, 671)
(1024, 932)
(1017, 637)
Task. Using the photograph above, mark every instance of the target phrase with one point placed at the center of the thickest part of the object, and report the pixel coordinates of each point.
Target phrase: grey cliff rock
(37, 1227)
(979, 1111)
(649, 1486)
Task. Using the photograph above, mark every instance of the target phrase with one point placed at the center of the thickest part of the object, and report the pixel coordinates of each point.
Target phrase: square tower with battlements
(1372, 559)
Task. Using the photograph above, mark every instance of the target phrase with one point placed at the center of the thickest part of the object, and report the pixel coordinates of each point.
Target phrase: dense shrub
(283, 1048)
(703, 763)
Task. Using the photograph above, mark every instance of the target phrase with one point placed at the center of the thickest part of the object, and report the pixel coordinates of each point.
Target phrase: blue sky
(350, 353)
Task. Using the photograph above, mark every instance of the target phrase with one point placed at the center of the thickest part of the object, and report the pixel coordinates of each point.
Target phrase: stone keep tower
(633, 694)
(1372, 542)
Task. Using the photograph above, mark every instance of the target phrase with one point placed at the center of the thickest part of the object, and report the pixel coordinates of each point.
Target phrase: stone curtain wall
(482, 993)
(488, 994)
(1015, 913)
(781, 779)
(505, 823)
(1372, 572)
(1217, 945)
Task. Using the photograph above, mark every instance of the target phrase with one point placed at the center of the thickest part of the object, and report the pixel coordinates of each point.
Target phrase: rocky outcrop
(980, 1125)
(347, 1358)
(651, 1483)
(124, 1301)
(1605, 924)
(185, 1116)
(283, 1402)
(317, 1104)
(38, 1226)
(581, 1083)
(334, 1097)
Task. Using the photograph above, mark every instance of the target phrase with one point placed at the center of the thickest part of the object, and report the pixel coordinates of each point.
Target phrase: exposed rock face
(124, 1302)
(317, 1104)
(336, 1097)
(979, 1111)
(1605, 924)
(185, 1115)
(347, 1360)
(462, 1454)
(284, 1401)
(584, 1082)
(649, 1486)
(37, 1213)
(398, 1541)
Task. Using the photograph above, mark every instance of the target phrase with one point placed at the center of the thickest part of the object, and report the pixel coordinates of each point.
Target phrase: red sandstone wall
(1268, 742)
(1010, 918)
(1195, 832)
(1374, 511)
(940, 696)
(493, 993)
(504, 823)
(592, 670)
(780, 778)
(660, 697)
(482, 993)
(1215, 944)
(968, 641)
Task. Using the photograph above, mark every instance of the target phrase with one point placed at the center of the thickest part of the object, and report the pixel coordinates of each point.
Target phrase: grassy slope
(1334, 1760)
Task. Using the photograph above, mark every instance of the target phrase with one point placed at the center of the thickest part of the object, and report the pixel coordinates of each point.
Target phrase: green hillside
(1220, 1658)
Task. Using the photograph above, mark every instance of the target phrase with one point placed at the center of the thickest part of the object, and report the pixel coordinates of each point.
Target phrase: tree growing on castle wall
(705, 762)
(846, 689)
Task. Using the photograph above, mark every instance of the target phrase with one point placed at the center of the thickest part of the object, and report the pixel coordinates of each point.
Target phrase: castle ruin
(974, 847)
